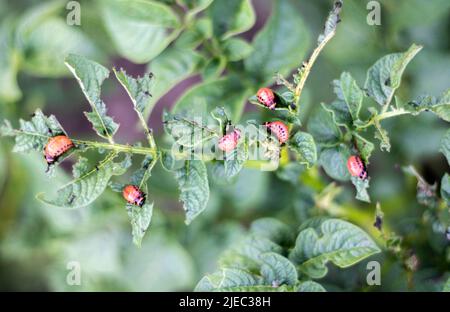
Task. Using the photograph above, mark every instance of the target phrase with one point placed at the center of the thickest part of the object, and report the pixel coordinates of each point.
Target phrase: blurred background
(37, 242)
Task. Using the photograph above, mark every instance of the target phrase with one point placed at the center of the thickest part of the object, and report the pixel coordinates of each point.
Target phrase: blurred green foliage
(37, 241)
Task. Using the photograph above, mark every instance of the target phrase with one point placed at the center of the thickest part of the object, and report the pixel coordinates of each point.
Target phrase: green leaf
(281, 45)
(446, 287)
(45, 38)
(33, 134)
(80, 168)
(348, 92)
(272, 229)
(48, 44)
(445, 188)
(361, 189)
(193, 183)
(169, 68)
(364, 147)
(9, 64)
(247, 253)
(340, 113)
(334, 162)
(90, 76)
(195, 34)
(200, 100)
(139, 29)
(383, 78)
(310, 286)
(305, 147)
(323, 129)
(258, 288)
(140, 218)
(290, 172)
(214, 68)
(236, 49)
(226, 278)
(194, 6)
(445, 146)
(87, 186)
(231, 17)
(438, 105)
(323, 240)
(277, 270)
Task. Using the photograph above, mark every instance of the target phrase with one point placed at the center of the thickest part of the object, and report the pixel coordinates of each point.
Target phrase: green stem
(384, 115)
(120, 148)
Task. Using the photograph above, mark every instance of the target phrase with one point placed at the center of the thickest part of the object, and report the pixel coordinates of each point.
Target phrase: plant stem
(382, 116)
(306, 67)
(118, 147)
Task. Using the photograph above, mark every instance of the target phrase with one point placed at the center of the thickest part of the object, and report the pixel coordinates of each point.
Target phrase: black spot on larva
(387, 82)
(150, 75)
(96, 168)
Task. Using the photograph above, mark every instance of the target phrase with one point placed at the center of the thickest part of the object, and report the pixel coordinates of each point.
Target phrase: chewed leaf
(90, 76)
(321, 240)
(365, 147)
(187, 132)
(139, 90)
(439, 105)
(88, 186)
(383, 78)
(33, 134)
(140, 218)
(193, 183)
(361, 189)
(383, 136)
(331, 23)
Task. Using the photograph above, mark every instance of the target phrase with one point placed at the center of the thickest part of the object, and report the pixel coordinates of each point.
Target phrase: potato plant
(225, 127)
